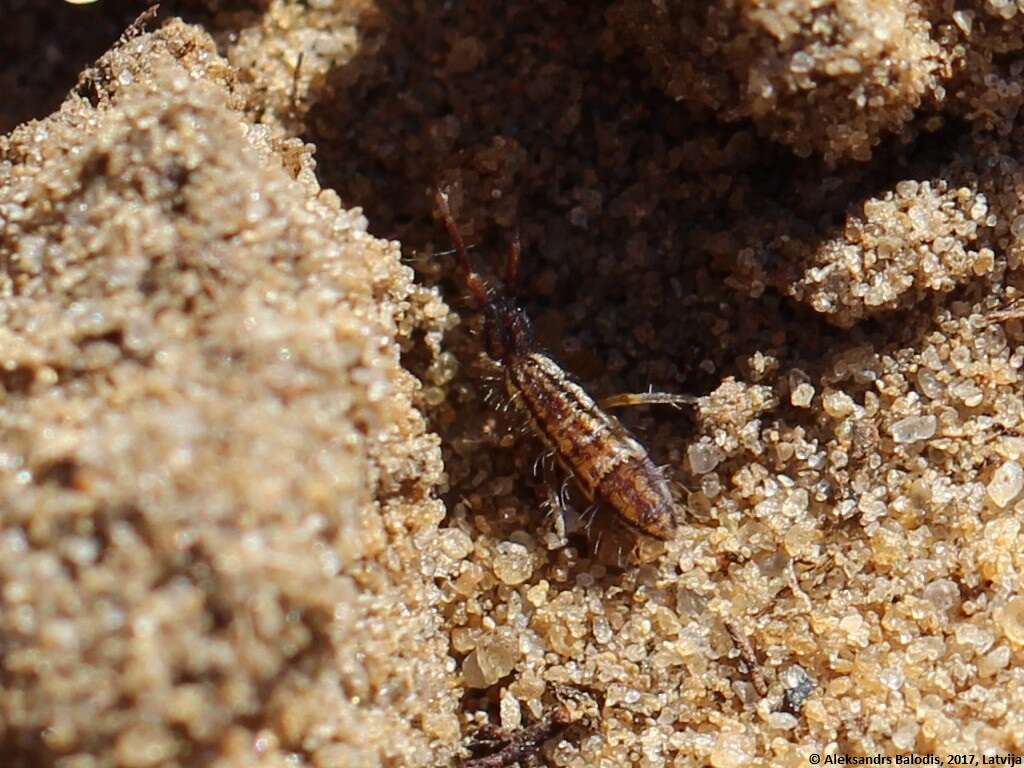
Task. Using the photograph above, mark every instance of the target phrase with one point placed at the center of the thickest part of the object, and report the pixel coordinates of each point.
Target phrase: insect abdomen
(609, 464)
(641, 496)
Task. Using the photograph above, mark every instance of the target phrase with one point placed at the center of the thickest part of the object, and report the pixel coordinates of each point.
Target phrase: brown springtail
(610, 466)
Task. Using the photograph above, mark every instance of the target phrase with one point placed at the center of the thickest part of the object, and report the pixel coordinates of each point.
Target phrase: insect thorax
(507, 330)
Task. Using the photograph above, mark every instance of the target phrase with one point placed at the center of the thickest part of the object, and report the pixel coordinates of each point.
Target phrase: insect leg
(646, 398)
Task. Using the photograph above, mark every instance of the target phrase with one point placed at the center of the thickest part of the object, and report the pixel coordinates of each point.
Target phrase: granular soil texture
(808, 214)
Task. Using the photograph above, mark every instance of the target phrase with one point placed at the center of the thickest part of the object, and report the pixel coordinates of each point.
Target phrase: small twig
(524, 743)
(293, 99)
(138, 26)
(748, 656)
(794, 586)
(89, 82)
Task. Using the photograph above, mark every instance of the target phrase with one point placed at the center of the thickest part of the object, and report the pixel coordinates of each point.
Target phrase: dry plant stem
(525, 743)
(142, 21)
(748, 656)
(91, 79)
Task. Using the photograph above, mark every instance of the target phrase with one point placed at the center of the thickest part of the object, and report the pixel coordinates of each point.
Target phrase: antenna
(474, 283)
(512, 264)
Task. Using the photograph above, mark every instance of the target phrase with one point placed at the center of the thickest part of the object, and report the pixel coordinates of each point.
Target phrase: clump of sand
(830, 77)
(214, 483)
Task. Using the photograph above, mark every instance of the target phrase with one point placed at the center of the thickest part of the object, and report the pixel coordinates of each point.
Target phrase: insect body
(610, 466)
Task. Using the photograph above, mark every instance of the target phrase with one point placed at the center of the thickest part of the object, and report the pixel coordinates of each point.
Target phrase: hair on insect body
(609, 465)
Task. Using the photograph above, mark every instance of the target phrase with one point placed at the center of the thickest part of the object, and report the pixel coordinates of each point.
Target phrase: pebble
(512, 564)
(914, 428)
(1010, 618)
(703, 457)
(1006, 483)
(802, 395)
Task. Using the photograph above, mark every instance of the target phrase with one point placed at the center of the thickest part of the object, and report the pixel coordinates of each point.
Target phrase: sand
(257, 508)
